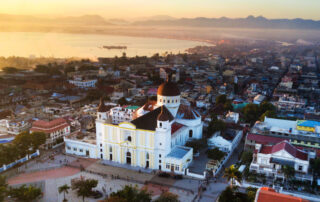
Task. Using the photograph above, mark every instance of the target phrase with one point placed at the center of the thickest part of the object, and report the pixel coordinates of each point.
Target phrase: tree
(216, 125)
(288, 172)
(10, 70)
(315, 165)
(269, 114)
(25, 193)
(215, 154)
(84, 186)
(228, 106)
(227, 195)
(130, 194)
(167, 197)
(37, 139)
(232, 173)
(246, 157)
(251, 193)
(94, 94)
(64, 188)
(221, 99)
(122, 101)
(23, 142)
(69, 69)
(3, 188)
(196, 145)
(266, 106)
(251, 113)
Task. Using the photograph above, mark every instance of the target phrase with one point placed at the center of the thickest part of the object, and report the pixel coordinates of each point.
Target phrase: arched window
(147, 160)
(190, 133)
(129, 138)
(168, 101)
(128, 154)
(110, 153)
(160, 125)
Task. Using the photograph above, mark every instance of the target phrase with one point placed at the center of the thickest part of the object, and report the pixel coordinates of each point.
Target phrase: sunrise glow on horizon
(127, 9)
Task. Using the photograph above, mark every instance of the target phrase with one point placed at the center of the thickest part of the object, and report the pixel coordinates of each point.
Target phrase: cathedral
(155, 138)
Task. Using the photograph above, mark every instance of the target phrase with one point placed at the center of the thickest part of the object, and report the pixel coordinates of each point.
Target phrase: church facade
(155, 138)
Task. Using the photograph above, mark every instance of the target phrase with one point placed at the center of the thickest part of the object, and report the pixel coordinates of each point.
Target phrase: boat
(114, 47)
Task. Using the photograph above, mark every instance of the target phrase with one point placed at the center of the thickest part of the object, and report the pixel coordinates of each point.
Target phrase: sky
(128, 9)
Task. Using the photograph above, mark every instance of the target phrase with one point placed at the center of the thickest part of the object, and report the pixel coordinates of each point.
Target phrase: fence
(19, 161)
(196, 175)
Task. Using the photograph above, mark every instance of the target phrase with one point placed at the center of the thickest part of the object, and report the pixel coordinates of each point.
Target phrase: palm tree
(288, 172)
(64, 188)
(232, 173)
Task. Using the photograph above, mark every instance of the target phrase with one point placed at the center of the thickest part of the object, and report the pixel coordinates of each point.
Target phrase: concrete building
(270, 160)
(154, 139)
(226, 141)
(55, 129)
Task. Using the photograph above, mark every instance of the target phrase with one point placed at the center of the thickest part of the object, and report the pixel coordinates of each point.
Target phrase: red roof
(263, 139)
(287, 147)
(266, 194)
(175, 126)
(49, 126)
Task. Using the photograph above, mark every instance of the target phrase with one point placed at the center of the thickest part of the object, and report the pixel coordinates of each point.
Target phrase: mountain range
(163, 20)
(249, 22)
(81, 20)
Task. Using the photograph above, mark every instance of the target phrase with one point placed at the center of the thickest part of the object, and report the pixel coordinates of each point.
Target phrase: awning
(282, 162)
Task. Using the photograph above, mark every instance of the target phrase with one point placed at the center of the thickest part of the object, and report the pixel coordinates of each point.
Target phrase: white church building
(154, 139)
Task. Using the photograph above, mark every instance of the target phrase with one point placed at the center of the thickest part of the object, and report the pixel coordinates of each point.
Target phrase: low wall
(196, 175)
(19, 161)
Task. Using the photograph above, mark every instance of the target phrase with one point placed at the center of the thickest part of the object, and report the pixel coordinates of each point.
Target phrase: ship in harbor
(114, 47)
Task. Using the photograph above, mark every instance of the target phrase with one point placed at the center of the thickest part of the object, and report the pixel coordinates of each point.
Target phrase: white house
(227, 141)
(91, 83)
(81, 144)
(270, 160)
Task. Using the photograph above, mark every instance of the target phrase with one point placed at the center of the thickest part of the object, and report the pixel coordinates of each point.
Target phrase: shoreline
(94, 56)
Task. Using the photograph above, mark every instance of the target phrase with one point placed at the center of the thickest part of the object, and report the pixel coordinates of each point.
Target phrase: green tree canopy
(251, 113)
(227, 195)
(246, 157)
(69, 69)
(94, 94)
(315, 165)
(167, 197)
(196, 145)
(84, 187)
(288, 171)
(269, 114)
(25, 193)
(232, 173)
(3, 188)
(215, 154)
(130, 194)
(216, 125)
(10, 70)
(221, 99)
(64, 189)
(122, 101)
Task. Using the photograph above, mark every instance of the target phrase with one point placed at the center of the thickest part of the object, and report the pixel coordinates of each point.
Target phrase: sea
(66, 45)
